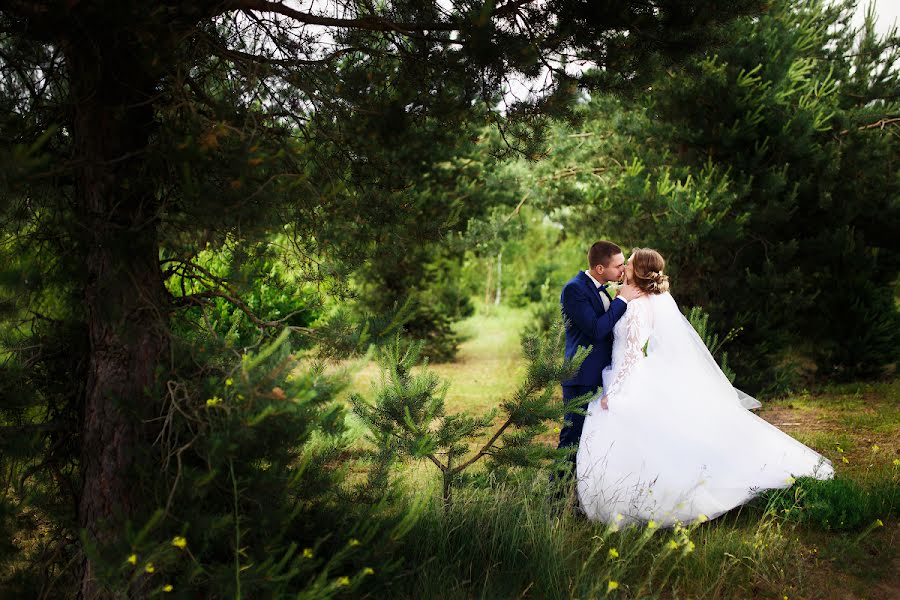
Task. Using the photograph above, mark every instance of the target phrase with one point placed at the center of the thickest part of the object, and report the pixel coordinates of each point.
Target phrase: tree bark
(488, 281)
(499, 278)
(125, 299)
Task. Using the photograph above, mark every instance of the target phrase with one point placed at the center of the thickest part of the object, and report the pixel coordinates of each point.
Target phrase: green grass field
(838, 540)
(488, 364)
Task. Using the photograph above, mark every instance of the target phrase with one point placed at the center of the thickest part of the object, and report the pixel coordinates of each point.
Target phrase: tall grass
(511, 542)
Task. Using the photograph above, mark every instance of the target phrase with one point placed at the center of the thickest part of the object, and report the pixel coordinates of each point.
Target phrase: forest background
(213, 221)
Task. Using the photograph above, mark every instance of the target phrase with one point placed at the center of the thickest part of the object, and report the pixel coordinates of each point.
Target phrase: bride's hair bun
(659, 282)
(648, 267)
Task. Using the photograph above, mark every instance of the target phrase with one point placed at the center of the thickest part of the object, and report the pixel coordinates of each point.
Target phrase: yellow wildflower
(132, 559)
(612, 585)
(168, 587)
(353, 542)
(307, 553)
(879, 523)
(149, 568)
(897, 462)
(368, 571)
(839, 449)
(214, 401)
(689, 547)
(701, 518)
(229, 382)
(672, 544)
(790, 481)
(652, 525)
(875, 448)
(613, 553)
(179, 542)
(844, 458)
(343, 580)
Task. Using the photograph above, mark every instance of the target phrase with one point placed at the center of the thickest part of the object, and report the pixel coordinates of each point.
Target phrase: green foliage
(408, 409)
(543, 316)
(43, 370)
(453, 181)
(248, 458)
(537, 257)
(251, 470)
(700, 322)
(839, 504)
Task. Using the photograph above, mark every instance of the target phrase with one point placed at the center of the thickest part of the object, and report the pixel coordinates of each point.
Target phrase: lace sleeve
(638, 325)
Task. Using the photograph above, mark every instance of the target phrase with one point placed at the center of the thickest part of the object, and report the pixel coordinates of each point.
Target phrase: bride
(671, 440)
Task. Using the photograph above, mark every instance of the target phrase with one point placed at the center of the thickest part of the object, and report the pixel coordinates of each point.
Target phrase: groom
(592, 313)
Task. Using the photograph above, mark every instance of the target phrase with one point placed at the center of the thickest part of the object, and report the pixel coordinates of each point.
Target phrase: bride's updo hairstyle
(648, 266)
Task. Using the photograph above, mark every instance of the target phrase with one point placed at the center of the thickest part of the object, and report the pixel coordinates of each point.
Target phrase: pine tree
(408, 408)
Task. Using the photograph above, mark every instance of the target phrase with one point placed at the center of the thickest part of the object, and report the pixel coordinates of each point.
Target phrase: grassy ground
(487, 367)
(857, 426)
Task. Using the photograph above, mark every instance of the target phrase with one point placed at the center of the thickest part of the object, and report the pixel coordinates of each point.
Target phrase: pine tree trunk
(488, 282)
(124, 294)
(447, 491)
(499, 278)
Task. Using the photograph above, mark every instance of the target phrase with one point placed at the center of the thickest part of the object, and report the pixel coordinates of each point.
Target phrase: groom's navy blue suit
(590, 324)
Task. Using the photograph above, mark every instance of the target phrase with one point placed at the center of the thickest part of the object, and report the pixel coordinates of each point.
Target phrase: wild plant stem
(237, 535)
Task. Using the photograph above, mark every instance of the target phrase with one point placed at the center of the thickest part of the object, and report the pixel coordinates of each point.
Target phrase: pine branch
(484, 449)
(243, 307)
(238, 56)
(367, 23)
(370, 23)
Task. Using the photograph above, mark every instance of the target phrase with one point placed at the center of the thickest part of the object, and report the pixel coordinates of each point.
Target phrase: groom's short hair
(601, 252)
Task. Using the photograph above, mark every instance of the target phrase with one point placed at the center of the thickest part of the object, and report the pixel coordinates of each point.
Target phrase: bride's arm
(638, 327)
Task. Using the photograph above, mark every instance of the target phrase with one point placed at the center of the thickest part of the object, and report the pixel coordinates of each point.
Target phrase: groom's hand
(629, 292)
(604, 403)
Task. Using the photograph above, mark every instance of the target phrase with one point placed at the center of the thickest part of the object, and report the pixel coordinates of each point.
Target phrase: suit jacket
(589, 325)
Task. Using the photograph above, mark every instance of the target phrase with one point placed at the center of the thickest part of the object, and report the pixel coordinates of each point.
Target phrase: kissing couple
(661, 434)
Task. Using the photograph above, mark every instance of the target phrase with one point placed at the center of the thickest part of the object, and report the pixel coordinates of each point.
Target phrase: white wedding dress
(678, 442)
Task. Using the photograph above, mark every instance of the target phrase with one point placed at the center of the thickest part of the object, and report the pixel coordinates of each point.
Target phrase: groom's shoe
(577, 509)
(558, 506)
(560, 483)
(563, 496)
